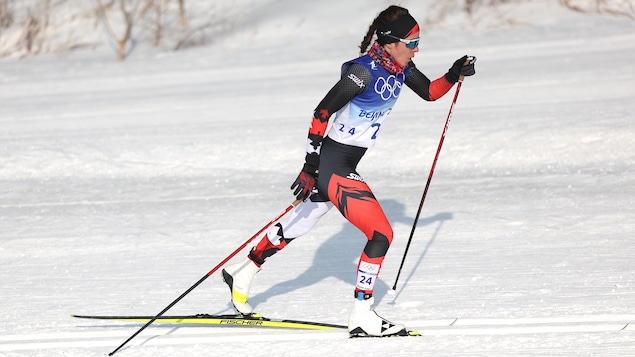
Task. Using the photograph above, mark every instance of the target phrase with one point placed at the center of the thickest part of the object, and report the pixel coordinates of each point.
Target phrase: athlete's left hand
(460, 68)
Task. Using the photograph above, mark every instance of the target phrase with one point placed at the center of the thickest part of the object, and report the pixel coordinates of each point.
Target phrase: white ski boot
(238, 277)
(364, 322)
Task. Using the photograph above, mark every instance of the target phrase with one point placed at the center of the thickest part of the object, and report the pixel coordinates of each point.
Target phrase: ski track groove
(174, 334)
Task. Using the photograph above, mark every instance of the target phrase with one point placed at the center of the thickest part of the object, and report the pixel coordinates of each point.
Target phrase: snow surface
(124, 183)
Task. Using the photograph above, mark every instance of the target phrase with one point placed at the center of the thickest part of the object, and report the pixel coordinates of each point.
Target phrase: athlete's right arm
(353, 82)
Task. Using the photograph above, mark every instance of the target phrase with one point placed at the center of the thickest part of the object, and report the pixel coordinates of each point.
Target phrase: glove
(303, 185)
(459, 69)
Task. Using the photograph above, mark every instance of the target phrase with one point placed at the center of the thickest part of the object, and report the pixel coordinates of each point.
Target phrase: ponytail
(363, 47)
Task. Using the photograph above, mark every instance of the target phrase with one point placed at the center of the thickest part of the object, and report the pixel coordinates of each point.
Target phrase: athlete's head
(397, 31)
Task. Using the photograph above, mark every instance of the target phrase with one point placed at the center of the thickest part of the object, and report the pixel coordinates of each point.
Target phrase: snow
(122, 184)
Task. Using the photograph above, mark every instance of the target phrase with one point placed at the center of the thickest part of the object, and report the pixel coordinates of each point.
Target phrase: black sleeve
(353, 82)
(418, 82)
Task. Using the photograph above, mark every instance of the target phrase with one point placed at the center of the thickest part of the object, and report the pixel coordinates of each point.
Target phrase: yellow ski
(251, 320)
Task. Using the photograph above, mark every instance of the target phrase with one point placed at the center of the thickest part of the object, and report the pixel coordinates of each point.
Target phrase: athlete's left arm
(426, 89)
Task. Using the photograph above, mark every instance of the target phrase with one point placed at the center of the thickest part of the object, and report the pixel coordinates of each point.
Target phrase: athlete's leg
(356, 202)
(297, 223)
(347, 190)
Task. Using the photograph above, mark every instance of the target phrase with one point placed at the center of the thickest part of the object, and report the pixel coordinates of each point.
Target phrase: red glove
(304, 184)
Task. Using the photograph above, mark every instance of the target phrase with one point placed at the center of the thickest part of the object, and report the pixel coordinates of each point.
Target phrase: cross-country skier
(359, 103)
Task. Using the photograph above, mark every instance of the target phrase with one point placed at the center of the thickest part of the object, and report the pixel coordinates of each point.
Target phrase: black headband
(401, 27)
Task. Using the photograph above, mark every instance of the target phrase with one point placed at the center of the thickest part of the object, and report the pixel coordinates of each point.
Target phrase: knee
(378, 245)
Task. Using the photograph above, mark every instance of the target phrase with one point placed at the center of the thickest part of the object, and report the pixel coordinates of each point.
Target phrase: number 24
(352, 130)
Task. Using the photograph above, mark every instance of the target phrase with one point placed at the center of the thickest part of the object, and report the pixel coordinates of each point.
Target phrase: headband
(401, 27)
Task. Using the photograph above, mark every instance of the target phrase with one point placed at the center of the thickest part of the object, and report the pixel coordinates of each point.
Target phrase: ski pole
(434, 164)
(289, 208)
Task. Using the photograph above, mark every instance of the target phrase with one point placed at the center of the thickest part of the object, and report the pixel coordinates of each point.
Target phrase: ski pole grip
(297, 202)
(467, 61)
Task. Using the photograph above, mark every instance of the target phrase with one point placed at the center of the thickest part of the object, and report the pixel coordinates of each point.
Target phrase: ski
(251, 320)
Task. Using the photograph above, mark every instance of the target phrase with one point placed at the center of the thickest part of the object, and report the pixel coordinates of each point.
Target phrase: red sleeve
(319, 122)
(426, 89)
(439, 87)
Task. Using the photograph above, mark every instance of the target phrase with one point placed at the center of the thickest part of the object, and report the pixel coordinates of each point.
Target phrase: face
(402, 54)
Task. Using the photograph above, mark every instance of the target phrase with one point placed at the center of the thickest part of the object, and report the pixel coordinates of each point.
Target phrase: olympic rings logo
(389, 87)
(368, 268)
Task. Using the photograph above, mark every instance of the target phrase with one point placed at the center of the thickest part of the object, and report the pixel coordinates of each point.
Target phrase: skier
(359, 102)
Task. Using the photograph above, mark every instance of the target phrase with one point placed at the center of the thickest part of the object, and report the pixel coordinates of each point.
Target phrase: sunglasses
(411, 44)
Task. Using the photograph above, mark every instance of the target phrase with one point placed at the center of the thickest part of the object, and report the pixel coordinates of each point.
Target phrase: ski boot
(239, 277)
(364, 321)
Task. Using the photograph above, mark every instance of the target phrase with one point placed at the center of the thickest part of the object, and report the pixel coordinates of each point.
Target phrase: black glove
(459, 68)
(303, 185)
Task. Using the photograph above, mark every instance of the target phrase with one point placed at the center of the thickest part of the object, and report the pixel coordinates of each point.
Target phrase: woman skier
(358, 104)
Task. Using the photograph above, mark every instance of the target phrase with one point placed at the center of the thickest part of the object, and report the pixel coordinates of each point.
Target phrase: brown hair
(390, 14)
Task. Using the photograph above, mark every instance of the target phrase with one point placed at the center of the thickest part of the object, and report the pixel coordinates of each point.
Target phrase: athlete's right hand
(303, 185)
